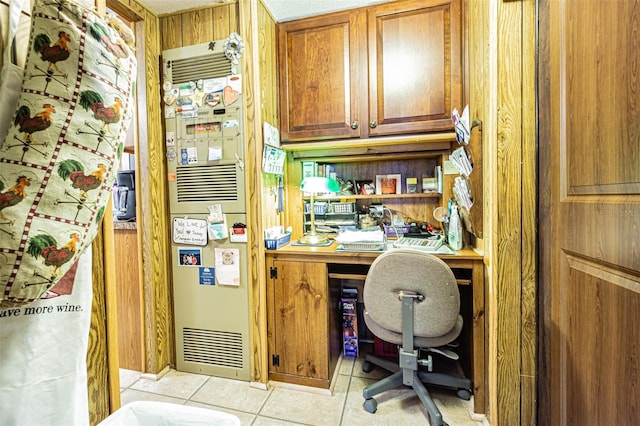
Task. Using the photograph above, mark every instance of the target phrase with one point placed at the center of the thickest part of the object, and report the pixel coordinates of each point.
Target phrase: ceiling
(282, 10)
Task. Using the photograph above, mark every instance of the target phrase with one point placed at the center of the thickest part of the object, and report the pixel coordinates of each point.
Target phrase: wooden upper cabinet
(319, 75)
(394, 68)
(415, 66)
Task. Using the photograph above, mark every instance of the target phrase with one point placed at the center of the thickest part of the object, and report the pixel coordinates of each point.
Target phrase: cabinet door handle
(354, 125)
(373, 124)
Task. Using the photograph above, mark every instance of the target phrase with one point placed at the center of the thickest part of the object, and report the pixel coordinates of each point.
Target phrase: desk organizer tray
(363, 246)
(276, 243)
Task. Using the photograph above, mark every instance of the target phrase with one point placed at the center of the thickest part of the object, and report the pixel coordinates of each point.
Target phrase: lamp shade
(319, 185)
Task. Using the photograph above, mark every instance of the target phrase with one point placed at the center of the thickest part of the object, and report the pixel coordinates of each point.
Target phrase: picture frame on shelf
(389, 184)
(365, 187)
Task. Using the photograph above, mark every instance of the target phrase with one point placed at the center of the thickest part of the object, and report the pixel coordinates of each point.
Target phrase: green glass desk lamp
(316, 185)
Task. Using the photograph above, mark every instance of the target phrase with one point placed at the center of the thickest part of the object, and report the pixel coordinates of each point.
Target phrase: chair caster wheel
(464, 394)
(370, 405)
(367, 367)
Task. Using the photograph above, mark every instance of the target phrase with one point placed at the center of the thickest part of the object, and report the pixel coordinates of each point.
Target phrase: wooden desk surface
(326, 253)
(465, 259)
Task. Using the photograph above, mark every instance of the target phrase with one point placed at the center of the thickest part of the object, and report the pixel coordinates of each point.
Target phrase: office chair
(411, 298)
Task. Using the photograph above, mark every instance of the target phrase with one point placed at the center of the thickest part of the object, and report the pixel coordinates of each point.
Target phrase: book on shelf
(312, 168)
(433, 183)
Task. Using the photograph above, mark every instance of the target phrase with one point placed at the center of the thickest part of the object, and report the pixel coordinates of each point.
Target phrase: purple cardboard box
(350, 326)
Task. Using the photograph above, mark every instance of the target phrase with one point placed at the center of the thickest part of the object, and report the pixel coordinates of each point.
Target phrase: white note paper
(227, 266)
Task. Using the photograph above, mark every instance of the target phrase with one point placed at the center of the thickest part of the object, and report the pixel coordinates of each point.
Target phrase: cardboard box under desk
(350, 326)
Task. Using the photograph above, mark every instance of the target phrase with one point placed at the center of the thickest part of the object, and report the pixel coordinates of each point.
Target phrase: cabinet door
(415, 66)
(320, 73)
(299, 322)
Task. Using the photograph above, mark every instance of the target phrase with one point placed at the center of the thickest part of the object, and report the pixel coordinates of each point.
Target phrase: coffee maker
(125, 196)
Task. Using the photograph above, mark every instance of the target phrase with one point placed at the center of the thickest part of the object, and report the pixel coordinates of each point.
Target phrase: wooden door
(322, 65)
(415, 66)
(590, 140)
(299, 322)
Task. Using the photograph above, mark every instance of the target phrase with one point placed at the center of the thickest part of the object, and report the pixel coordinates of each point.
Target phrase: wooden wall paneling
(171, 32)
(252, 20)
(482, 85)
(129, 300)
(155, 248)
(509, 231)
(197, 27)
(266, 44)
(111, 301)
(545, 235)
(268, 66)
(103, 387)
(514, 247)
(153, 219)
(529, 241)
(221, 22)
(293, 195)
(475, 70)
(475, 216)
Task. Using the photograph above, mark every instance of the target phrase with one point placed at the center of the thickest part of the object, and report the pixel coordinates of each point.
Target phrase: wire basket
(342, 207)
(319, 208)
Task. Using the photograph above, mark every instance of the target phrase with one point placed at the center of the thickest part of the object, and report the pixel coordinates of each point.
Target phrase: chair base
(461, 384)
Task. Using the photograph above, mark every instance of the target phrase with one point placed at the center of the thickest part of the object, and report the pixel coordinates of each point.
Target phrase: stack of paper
(347, 237)
(461, 122)
(461, 161)
(462, 193)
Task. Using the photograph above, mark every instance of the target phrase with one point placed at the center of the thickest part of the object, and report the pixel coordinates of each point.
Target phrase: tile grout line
(346, 396)
(196, 391)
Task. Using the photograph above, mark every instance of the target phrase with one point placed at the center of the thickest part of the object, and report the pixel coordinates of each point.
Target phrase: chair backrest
(418, 272)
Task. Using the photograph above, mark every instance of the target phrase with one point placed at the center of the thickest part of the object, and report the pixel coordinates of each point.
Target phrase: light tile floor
(281, 405)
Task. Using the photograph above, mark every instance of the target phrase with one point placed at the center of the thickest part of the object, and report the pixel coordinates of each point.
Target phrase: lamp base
(313, 239)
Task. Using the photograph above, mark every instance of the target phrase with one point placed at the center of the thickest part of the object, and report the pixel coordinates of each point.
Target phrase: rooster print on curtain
(59, 160)
(105, 114)
(51, 54)
(9, 198)
(29, 125)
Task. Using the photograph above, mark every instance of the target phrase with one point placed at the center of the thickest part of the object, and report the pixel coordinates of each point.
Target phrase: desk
(304, 325)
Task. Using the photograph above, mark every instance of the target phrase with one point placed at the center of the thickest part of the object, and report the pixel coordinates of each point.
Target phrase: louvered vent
(220, 348)
(217, 183)
(199, 67)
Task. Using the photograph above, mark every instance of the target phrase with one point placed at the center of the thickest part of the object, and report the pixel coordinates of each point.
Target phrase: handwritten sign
(190, 231)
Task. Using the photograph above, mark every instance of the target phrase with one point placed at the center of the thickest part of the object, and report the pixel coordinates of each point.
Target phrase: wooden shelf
(374, 196)
(434, 138)
(427, 145)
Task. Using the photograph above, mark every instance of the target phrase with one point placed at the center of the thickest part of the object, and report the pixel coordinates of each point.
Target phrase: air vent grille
(210, 183)
(200, 67)
(219, 348)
